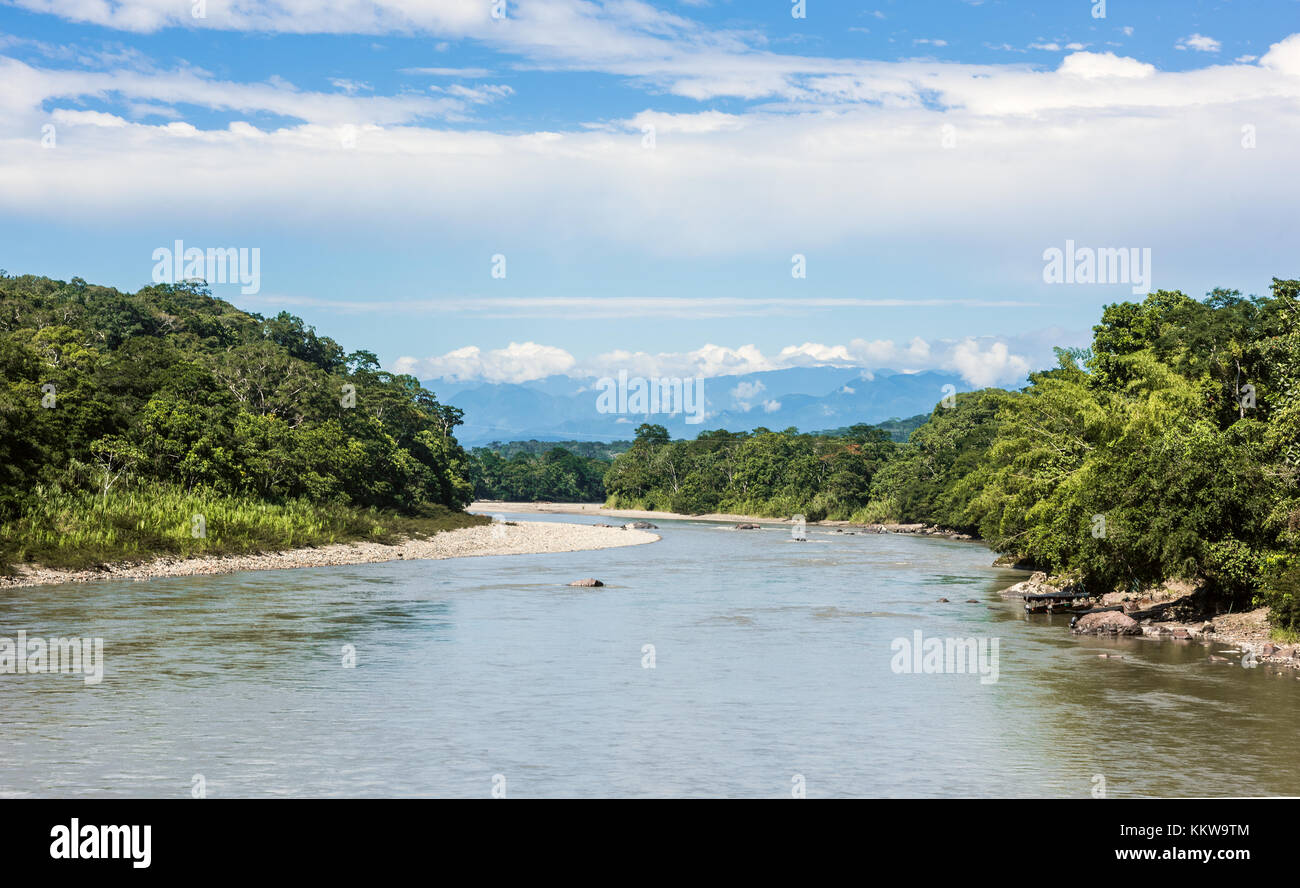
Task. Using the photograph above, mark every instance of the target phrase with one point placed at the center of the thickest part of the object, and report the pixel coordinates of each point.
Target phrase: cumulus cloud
(1090, 65)
(1284, 56)
(1200, 43)
(823, 122)
(518, 362)
(981, 362)
(744, 394)
(986, 366)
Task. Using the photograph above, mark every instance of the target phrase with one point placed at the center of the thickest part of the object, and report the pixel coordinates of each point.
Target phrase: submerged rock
(588, 581)
(747, 527)
(642, 525)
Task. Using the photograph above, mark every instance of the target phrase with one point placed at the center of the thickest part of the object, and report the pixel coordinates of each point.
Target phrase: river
(772, 671)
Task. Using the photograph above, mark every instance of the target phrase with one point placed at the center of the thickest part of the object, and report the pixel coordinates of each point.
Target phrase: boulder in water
(587, 581)
(1106, 623)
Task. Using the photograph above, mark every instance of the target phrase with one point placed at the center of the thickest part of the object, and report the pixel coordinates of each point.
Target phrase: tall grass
(75, 529)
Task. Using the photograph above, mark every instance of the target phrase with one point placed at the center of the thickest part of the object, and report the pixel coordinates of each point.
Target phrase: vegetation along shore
(167, 433)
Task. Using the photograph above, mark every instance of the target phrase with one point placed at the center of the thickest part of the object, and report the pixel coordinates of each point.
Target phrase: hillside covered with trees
(556, 474)
(167, 421)
(1169, 449)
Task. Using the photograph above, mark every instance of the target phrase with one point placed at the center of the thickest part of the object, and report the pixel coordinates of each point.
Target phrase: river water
(772, 671)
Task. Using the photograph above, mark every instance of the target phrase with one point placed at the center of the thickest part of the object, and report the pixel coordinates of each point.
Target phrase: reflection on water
(771, 658)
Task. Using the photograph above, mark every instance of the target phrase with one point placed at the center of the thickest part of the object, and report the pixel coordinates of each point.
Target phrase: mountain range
(808, 398)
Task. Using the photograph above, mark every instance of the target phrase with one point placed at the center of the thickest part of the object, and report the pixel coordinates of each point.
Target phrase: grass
(77, 530)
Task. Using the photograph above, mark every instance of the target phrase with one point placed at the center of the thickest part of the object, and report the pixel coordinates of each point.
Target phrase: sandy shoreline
(522, 538)
(492, 507)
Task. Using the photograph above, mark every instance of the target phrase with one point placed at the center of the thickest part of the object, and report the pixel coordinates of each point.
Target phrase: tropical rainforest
(170, 422)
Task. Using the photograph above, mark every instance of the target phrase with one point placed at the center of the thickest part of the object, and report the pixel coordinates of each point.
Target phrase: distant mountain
(809, 398)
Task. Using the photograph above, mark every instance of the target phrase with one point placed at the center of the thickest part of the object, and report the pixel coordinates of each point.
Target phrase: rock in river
(1106, 623)
(588, 581)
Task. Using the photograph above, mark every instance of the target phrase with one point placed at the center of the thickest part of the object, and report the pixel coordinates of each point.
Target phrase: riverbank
(1169, 612)
(491, 507)
(514, 538)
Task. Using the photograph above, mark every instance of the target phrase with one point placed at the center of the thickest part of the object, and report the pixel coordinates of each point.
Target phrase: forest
(170, 422)
(553, 474)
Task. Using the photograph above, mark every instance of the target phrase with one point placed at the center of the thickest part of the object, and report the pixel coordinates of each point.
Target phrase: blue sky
(921, 156)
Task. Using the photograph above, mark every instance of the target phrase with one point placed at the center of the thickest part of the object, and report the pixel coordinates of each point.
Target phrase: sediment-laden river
(715, 662)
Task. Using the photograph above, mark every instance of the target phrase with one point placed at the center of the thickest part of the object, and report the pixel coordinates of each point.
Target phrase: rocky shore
(514, 538)
(1170, 612)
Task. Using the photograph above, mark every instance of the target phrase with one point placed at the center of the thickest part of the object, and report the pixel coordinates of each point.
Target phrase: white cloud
(806, 165)
(518, 362)
(985, 367)
(981, 362)
(86, 118)
(1200, 43)
(1091, 65)
(351, 87)
(744, 394)
(1284, 56)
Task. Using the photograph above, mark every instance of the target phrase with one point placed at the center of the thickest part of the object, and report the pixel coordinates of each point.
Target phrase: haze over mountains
(808, 398)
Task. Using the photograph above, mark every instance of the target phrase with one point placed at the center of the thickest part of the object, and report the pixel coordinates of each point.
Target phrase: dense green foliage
(752, 473)
(1170, 448)
(601, 450)
(168, 393)
(556, 475)
(898, 429)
